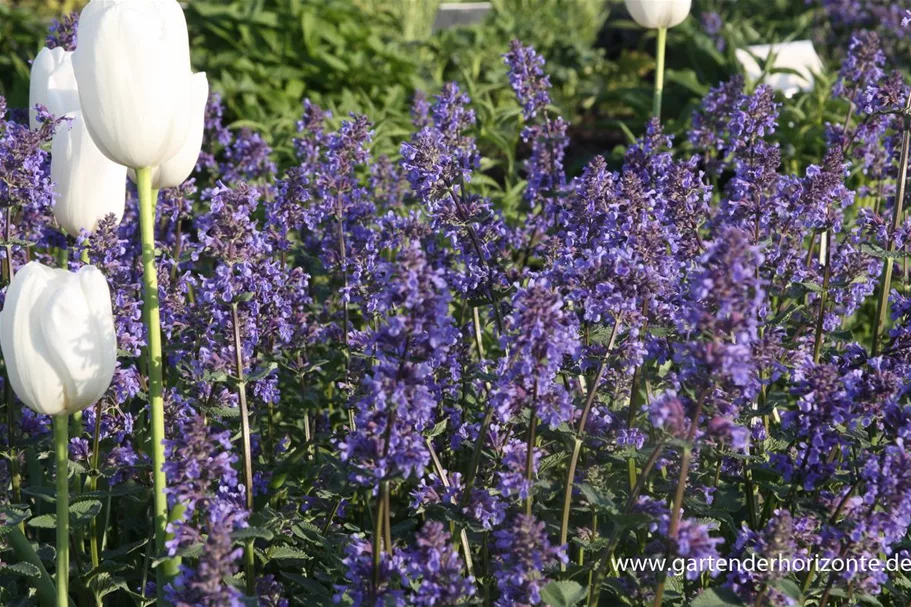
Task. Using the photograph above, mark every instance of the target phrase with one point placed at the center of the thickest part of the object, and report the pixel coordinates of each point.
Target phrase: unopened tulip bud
(171, 173)
(135, 85)
(58, 339)
(52, 84)
(89, 186)
(659, 14)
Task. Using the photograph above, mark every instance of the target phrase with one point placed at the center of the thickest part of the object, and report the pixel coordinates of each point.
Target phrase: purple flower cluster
(64, 32)
(545, 336)
(400, 397)
(414, 362)
(524, 554)
(202, 479)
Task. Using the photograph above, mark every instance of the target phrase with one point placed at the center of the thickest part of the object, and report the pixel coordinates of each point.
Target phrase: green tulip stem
(62, 452)
(659, 72)
(156, 402)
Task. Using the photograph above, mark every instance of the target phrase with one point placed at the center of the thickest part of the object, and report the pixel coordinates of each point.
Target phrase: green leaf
(789, 588)
(83, 512)
(810, 286)
(123, 550)
(874, 250)
(21, 568)
(262, 371)
(11, 517)
(44, 521)
(313, 588)
(105, 583)
(563, 594)
(438, 429)
(253, 533)
(717, 598)
(600, 500)
(286, 552)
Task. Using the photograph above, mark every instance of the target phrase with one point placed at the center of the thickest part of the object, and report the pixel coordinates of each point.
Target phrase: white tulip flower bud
(52, 84)
(171, 173)
(58, 339)
(89, 186)
(657, 14)
(136, 89)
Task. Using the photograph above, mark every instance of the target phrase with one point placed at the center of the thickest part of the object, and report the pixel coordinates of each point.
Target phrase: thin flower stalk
(249, 556)
(882, 309)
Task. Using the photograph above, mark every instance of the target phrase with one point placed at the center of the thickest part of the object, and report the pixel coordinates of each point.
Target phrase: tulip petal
(73, 352)
(52, 84)
(25, 350)
(175, 171)
(97, 295)
(654, 14)
(133, 69)
(89, 186)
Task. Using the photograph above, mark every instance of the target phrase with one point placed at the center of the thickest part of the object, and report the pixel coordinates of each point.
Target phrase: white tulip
(650, 14)
(58, 339)
(52, 84)
(89, 186)
(171, 173)
(132, 65)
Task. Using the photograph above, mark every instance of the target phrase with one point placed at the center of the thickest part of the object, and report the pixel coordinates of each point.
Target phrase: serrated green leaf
(714, 597)
(252, 533)
(11, 516)
(563, 593)
(21, 568)
(104, 584)
(83, 512)
(43, 521)
(286, 552)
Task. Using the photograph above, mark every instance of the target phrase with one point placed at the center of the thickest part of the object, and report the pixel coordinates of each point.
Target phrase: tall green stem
(249, 557)
(530, 456)
(156, 401)
(61, 453)
(827, 259)
(8, 271)
(677, 508)
(580, 431)
(93, 484)
(882, 309)
(659, 72)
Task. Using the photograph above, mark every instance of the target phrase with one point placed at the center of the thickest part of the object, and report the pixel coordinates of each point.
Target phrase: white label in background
(799, 56)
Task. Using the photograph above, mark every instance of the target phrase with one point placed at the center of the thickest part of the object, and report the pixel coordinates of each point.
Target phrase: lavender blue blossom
(545, 336)
(434, 569)
(523, 555)
(63, 32)
(361, 588)
(400, 397)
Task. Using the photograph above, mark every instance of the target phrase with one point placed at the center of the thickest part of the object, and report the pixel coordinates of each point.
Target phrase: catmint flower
(523, 554)
(434, 569)
(63, 33)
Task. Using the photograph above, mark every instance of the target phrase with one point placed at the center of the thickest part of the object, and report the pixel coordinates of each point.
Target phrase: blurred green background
(371, 56)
